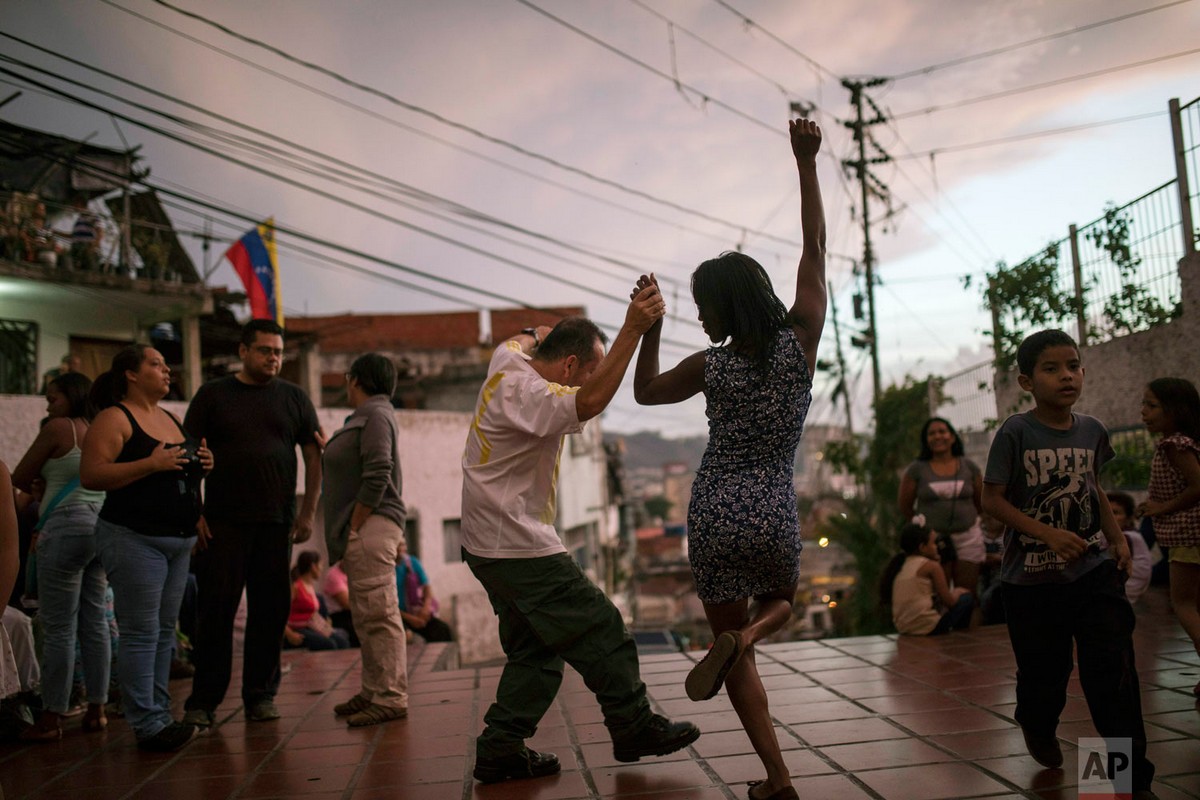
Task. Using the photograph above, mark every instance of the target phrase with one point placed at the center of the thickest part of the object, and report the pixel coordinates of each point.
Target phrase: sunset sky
(548, 151)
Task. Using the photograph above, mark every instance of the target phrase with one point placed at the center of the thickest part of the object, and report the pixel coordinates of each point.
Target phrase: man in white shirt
(536, 392)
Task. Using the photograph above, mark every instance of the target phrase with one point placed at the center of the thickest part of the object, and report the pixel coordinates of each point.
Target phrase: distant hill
(648, 449)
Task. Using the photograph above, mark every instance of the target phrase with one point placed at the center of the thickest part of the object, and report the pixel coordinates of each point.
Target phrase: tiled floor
(872, 717)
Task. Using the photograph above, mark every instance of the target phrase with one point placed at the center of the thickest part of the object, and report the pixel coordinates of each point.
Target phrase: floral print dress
(743, 525)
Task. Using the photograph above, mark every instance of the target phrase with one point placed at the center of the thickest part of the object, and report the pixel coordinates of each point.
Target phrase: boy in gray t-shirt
(1059, 584)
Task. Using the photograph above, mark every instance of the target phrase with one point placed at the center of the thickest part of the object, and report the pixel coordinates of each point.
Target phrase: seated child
(1139, 574)
(915, 587)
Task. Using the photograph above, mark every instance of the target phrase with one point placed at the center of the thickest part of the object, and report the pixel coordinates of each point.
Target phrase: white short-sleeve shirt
(510, 465)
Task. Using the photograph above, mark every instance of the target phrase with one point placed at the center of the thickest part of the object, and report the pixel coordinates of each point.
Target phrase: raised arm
(594, 396)
(808, 312)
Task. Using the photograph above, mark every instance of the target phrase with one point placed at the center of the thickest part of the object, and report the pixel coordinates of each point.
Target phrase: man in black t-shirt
(253, 422)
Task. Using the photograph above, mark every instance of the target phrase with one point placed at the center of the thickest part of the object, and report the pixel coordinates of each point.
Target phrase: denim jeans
(71, 584)
(148, 574)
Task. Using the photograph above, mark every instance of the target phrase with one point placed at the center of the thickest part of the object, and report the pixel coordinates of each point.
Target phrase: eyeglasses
(263, 350)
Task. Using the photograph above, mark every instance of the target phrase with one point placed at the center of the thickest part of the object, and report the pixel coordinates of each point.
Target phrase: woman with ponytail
(140, 455)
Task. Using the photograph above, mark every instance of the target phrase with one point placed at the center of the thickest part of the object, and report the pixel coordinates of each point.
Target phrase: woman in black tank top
(151, 470)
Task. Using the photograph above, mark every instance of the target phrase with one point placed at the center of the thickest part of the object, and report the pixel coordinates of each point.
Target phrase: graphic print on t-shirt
(1061, 500)
(946, 489)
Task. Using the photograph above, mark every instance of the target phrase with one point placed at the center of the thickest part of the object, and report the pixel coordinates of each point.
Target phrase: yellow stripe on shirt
(485, 397)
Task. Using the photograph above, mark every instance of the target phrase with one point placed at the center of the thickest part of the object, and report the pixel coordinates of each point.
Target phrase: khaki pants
(370, 566)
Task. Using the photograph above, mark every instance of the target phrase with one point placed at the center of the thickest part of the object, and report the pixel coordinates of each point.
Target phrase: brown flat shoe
(41, 733)
(94, 721)
(705, 679)
(786, 793)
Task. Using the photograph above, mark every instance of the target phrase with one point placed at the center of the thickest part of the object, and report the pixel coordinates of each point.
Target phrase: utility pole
(870, 185)
(842, 386)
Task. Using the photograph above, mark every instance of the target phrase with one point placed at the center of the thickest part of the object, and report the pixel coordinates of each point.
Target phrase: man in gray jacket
(364, 526)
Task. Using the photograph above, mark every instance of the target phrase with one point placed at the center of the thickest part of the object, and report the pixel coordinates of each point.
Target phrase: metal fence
(967, 399)
(1129, 265)
(1122, 267)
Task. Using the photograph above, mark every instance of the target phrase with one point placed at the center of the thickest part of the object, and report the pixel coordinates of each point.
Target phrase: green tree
(867, 529)
(658, 506)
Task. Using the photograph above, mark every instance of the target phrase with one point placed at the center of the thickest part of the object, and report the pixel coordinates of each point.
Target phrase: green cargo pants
(550, 613)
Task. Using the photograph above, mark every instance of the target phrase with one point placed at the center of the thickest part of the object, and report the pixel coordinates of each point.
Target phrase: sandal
(375, 714)
(94, 719)
(786, 793)
(46, 729)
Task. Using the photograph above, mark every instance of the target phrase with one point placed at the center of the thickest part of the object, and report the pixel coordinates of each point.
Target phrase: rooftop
(868, 717)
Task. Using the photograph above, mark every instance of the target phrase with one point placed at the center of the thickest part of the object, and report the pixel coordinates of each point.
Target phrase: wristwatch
(532, 332)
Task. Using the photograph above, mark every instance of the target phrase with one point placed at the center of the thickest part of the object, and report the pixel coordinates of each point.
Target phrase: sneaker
(352, 706)
(1044, 748)
(374, 714)
(525, 764)
(199, 717)
(705, 679)
(262, 711)
(169, 739)
(657, 737)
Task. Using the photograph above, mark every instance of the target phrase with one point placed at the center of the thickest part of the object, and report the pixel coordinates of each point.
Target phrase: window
(18, 357)
(452, 540)
(410, 534)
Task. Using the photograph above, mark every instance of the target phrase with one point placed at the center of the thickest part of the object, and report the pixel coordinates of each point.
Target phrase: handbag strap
(70, 486)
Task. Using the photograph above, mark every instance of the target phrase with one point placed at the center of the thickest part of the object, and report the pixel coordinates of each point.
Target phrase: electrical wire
(1045, 85)
(954, 62)
(416, 109)
(1021, 137)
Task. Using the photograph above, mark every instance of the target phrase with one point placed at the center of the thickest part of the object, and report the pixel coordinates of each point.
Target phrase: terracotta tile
(983, 744)
(888, 753)
(287, 760)
(555, 787)
(818, 712)
(931, 782)
(1026, 773)
(911, 703)
(830, 786)
(415, 746)
(1174, 758)
(1185, 723)
(729, 743)
(1159, 701)
(656, 776)
(298, 782)
(412, 771)
(193, 789)
(870, 729)
(739, 769)
(931, 723)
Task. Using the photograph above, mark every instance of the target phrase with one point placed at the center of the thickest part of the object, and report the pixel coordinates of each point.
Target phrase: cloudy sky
(476, 154)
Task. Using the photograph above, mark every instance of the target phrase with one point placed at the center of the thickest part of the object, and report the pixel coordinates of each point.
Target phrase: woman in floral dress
(743, 526)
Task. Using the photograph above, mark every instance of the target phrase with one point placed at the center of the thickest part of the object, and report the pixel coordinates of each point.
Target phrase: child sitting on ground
(1139, 574)
(914, 584)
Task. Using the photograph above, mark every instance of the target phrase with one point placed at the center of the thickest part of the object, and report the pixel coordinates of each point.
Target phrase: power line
(321, 193)
(1049, 37)
(752, 24)
(1045, 85)
(704, 96)
(937, 151)
(274, 156)
(426, 113)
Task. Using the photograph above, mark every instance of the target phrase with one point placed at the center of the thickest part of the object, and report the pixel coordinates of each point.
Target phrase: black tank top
(165, 503)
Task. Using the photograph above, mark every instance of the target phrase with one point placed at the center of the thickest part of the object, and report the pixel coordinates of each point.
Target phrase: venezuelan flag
(253, 256)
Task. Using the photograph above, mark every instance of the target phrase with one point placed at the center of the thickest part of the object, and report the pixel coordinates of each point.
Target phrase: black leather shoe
(1044, 748)
(526, 764)
(657, 738)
